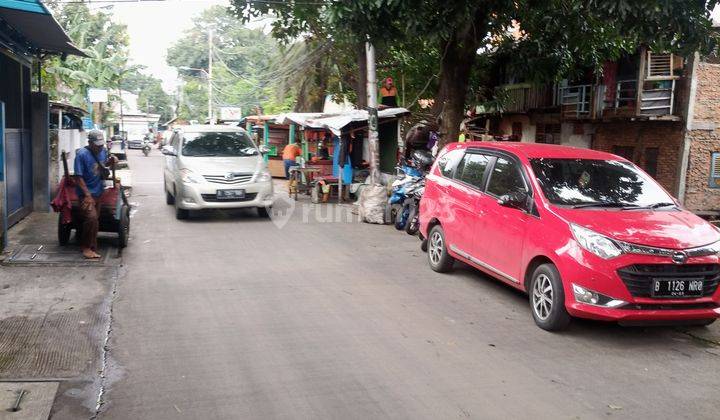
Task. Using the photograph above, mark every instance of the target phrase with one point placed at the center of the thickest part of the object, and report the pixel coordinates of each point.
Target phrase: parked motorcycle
(413, 220)
(411, 177)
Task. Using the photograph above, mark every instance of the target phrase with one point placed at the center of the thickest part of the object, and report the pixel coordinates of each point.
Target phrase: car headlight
(591, 297)
(190, 177)
(594, 242)
(263, 176)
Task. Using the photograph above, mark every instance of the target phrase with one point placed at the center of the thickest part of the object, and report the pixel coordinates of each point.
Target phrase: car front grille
(237, 178)
(212, 198)
(638, 278)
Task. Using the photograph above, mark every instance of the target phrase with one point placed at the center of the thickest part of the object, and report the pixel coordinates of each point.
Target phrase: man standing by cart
(90, 174)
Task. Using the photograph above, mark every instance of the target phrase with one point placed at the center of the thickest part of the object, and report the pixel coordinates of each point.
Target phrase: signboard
(97, 95)
(230, 113)
(272, 150)
(87, 123)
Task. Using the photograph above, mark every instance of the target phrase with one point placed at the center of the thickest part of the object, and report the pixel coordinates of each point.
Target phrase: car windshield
(228, 144)
(598, 183)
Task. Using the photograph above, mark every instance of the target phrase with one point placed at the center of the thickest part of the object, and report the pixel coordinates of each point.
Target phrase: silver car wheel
(435, 250)
(542, 297)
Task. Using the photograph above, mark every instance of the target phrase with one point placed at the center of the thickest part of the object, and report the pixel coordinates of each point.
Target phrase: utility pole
(210, 88)
(372, 114)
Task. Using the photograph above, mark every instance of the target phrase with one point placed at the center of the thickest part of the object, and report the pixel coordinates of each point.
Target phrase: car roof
(548, 151)
(207, 128)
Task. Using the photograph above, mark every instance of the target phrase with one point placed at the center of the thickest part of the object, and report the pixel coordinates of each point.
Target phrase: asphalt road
(228, 316)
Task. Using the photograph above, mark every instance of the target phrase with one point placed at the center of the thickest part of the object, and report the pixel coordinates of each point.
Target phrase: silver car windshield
(227, 144)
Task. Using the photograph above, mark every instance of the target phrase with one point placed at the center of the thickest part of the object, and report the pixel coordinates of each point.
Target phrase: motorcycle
(411, 177)
(413, 220)
(146, 147)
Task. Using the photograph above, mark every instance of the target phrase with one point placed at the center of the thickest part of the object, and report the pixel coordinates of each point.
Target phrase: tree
(559, 36)
(151, 96)
(105, 43)
(243, 73)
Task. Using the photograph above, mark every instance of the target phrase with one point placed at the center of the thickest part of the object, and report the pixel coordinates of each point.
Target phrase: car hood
(658, 228)
(222, 165)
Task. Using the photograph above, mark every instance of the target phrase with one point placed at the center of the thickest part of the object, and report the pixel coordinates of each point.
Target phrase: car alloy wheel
(542, 297)
(435, 248)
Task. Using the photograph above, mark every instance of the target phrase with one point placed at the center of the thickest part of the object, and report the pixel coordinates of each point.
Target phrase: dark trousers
(90, 224)
(289, 163)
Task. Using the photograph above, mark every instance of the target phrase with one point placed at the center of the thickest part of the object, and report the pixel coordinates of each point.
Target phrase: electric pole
(210, 88)
(372, 114)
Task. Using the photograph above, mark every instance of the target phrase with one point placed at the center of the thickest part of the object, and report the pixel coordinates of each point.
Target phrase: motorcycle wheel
(401, 218)
(413, 224)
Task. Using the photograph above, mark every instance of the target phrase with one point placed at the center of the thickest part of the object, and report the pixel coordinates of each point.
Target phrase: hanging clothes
(345, 170)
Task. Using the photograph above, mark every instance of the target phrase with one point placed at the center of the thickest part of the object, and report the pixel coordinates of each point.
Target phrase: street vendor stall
(337, 145)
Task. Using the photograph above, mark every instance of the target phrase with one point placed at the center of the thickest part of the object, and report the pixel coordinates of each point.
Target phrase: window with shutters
(715, 170)
(659, 65)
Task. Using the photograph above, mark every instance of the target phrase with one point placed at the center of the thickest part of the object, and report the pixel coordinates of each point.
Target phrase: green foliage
(150, 93)
(243, 73)
(105, 43)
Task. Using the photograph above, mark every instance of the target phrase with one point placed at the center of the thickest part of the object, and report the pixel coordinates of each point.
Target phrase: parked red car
(585, 233)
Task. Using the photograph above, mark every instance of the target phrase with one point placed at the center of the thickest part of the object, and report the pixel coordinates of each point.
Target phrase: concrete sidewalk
(54, 319)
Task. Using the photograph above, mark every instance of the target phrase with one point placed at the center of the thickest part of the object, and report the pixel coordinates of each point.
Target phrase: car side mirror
(263, 149)
(168, 151)
(515, 200)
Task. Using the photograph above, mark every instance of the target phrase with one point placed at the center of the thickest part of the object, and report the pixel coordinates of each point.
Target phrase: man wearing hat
(90, 174)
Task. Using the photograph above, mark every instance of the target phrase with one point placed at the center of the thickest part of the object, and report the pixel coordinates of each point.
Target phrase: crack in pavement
(699, 338)
(105, 349)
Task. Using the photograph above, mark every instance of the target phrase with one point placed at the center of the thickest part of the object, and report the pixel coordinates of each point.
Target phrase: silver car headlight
(190, 177)
(600, 245)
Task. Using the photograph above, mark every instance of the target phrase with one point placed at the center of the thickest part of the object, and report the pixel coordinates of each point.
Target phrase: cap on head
(96, 137)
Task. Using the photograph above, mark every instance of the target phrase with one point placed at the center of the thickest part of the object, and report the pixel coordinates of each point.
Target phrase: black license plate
(670, 288)
(230, 194)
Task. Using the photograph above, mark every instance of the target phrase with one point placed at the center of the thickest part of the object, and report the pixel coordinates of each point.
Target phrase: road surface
(227, 315)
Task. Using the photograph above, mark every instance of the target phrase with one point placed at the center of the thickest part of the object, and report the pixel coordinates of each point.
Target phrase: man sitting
(90, 174)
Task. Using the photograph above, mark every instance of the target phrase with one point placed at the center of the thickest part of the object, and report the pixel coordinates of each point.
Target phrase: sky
(155, 26)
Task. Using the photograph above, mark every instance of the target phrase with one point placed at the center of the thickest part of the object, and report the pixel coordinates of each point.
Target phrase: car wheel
(438, 256)
(169, 198)
(264, 211)
(547, 299)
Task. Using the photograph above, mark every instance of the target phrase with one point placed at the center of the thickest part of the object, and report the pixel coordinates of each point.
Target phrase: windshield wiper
(203, 155)
(658, 205)
(604, 204)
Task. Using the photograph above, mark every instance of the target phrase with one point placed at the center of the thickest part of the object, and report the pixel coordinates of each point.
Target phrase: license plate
(230, 194)
(687, 287)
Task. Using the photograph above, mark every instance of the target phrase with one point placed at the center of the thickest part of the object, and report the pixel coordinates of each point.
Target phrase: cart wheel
(124, 226)
(64, 230)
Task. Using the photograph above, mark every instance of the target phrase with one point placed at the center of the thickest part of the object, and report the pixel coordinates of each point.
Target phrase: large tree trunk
(459, 53)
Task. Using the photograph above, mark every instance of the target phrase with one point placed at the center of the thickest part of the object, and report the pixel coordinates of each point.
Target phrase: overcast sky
(155, 26)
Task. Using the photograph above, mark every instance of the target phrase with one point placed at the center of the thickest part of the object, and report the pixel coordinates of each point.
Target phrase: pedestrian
(289, 154)
(90, 174)
(388, 93)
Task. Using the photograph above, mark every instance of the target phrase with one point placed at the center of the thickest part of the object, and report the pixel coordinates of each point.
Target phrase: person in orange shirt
(388, 93)
(290, 152)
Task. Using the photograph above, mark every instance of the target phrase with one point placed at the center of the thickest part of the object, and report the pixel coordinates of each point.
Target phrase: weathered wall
(640, 135)
(577, 134)
(704, 135)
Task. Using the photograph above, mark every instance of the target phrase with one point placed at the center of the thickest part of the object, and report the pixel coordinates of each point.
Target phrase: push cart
(114, 210)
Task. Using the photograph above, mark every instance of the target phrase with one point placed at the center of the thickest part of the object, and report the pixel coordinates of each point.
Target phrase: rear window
(228, 144)
(448, 162)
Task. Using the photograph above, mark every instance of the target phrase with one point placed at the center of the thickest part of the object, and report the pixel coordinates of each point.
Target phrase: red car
(585, 233)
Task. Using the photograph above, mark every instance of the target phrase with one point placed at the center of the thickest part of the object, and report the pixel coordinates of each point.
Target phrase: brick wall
(704, 138)
(666, 136)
